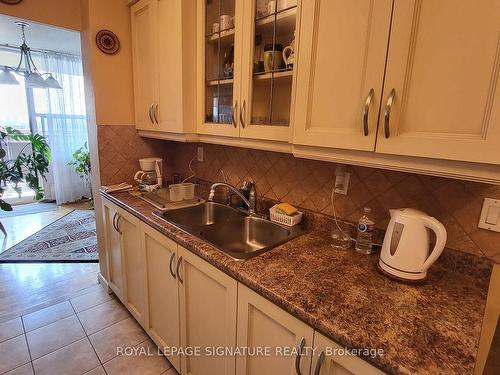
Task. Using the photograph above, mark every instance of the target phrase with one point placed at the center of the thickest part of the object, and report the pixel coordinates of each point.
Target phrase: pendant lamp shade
(51, 83)
(35, 81)
(7, 78)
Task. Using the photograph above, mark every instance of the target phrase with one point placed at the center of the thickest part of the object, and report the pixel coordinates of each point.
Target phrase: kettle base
(400, 275)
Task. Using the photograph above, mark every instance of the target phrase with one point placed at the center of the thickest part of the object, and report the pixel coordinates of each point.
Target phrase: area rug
(72, 238)
(26, 209)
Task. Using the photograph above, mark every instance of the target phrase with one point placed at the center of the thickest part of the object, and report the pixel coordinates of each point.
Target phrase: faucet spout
(251, 207)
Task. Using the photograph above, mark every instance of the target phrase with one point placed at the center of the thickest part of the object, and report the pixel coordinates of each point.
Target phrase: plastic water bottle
(365, 232)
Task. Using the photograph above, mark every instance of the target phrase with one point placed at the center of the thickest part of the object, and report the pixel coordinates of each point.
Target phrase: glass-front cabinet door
(267, 68)
(221, 50)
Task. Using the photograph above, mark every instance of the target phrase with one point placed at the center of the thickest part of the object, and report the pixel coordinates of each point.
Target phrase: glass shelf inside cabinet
(219, 60)
(273, 64)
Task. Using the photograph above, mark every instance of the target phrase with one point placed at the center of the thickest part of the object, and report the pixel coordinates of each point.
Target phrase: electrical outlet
(342, 183)
(200, 153)
(490, 215)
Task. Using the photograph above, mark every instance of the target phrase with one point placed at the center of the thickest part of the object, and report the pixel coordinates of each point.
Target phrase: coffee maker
(149, 178)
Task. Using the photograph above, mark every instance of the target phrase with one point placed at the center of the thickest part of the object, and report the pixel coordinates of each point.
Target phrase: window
(58, 115)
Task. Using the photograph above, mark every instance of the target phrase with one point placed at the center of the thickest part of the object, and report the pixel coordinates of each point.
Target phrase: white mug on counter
(178, 192)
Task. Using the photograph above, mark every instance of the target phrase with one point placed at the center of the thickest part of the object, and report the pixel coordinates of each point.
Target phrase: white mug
(215, 27)
(226, 22)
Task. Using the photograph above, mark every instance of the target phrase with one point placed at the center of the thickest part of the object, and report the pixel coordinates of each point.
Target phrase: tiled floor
(79, 336)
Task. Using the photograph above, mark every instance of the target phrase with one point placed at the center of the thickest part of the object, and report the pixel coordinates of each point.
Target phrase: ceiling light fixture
(33, 78)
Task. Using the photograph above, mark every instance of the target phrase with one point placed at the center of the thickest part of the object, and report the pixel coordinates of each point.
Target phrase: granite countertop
(430, 328)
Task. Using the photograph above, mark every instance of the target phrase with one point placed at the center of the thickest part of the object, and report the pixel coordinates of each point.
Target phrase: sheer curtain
(59, 115)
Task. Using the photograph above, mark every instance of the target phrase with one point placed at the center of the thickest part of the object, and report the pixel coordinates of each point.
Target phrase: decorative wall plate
(107, 41)
(11, 2)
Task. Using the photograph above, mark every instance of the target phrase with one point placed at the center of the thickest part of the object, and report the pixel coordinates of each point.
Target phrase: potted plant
(81, 163)
(31, 164)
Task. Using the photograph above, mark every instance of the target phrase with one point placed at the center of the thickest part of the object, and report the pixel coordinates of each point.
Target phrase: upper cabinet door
(443, 65)
(219, 56)
(169, 111)
(267, 68)
(176, 20)
(340, 70)
(144, 42)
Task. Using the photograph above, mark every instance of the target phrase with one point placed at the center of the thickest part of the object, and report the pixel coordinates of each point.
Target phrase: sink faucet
(249, 203)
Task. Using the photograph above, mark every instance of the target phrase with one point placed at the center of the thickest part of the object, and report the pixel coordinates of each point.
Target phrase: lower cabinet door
(162, 321)
(207, 316)
(134, 267)
(262, 325)
(113, 248)
(331, 359)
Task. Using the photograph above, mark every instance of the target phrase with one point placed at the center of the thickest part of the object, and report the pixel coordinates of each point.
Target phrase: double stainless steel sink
(234, 232)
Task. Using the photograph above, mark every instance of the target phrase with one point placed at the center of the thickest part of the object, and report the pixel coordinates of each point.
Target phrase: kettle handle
(441, 237)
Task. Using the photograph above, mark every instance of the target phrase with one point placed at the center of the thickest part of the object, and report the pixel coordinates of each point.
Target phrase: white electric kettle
(405, 251)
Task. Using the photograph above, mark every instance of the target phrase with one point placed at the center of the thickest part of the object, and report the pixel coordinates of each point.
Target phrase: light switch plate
(490, 215)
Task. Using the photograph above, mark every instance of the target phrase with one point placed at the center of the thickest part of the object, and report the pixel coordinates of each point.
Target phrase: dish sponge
(287, 209)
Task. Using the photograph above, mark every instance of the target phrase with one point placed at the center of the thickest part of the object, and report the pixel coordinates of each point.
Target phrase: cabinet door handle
(319, 362)
(235, 109)
(366, 112)
(170, 265)
(300, 349)
(177, 270)
(387, 114)
(118, 219)
(114, 221)
(242, 117)
(155, 113)
(151, 113)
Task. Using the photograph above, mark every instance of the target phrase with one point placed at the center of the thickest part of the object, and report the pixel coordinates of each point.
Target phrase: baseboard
(104, 283)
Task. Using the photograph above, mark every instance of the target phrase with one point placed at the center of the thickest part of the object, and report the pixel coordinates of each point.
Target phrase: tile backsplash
(120, 149)
(308, 184)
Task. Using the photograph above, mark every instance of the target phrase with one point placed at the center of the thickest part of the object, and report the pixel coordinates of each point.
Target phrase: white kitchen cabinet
(113, 248)
(125, 258)
(133, 264)
(164, 61)
(182, 301)
(162, 319)
(207, 314)
(330, 359)
(241, 92)
(442, 73)
(439, 97)
(340, 72)
(263, 324)
(218, 80)
(145, 62)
